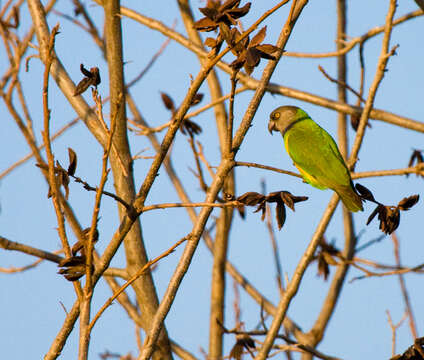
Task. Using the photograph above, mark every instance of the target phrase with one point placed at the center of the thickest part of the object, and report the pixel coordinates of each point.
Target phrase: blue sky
(30, 306)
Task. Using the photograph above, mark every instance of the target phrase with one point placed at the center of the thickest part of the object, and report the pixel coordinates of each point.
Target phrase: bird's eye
(276, 115)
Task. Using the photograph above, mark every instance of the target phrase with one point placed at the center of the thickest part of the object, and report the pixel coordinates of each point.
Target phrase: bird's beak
(271, 126)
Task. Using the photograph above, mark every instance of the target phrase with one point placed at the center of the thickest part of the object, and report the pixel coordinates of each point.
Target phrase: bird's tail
(350, 198)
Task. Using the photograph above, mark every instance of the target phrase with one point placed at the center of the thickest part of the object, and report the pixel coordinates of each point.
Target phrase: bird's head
(283, 117)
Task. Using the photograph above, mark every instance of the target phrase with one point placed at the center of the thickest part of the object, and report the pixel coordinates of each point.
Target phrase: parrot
(315, 153)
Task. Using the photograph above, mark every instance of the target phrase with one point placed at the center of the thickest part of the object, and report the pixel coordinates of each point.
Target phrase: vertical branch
(89, 286)
(220, 253)
(362, 76)
(341, 76)
(317, 331)
(123, 180)
(394, 327)
(408, 308)
(294, 284)
(381, 69)
(229, 138)
(54, 187)
(225, 219)
(277, 261)
(202, 182)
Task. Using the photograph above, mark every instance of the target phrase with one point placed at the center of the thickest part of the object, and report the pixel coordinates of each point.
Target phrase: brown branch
(202, 157)
(199, 174)
(304, 349)
(54, 186)
(275, 253)
(362, 76)
(147, 130)
(274, 244)
(265, 167)
(357, 40)
(215, 102)
(192, 205)
(60, 75)
(181, 352)
(341, 83)
(14, 270)
(229, 136)
(418, 169)
(405, 295)
(15, 246)
(89, 246)
(327, 309)
(377, 265)
(90, 27)
(404, 270)
(88, 187)
(394, 327)
(316, 333)
(293, 346)
(225, 218)
(294, 284)
(381, 68)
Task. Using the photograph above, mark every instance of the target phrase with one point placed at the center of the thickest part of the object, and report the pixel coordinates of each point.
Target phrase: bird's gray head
(283, 117)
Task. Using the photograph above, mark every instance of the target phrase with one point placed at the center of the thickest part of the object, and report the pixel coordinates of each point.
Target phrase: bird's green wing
(315, 154)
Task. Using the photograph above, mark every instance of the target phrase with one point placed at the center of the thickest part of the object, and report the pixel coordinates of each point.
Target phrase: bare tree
(228, 55)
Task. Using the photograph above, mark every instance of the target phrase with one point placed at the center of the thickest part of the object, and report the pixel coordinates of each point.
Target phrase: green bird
(314, 152)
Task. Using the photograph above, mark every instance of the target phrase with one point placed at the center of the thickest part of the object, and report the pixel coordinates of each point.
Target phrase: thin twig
(199, 174)
(231, 113)
(404, 270)
(381, 68)
(362, 76)
(394, 327)
(89, 286)
(405, 295)
(192, 205)
(15, 246)
(277, 261)
(357, 40)
(54, 187)
(88, 187)
(265, 167)
(204, 160)
(418, 169)
(340, 83)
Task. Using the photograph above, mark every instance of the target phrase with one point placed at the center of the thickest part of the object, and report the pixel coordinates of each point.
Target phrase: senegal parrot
(314, 153)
